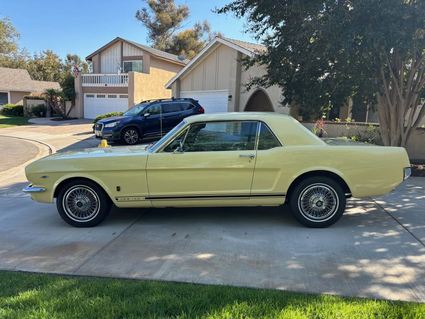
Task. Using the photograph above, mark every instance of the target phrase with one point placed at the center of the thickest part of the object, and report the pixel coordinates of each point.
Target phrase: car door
(152, 125)
(215, 162)
(171, 115)
(269, 170)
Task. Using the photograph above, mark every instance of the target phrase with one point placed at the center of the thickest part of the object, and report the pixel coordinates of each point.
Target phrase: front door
(216, 162)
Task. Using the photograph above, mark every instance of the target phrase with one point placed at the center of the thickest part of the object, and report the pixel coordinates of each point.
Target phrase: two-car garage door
(96, 104)
(211, 101)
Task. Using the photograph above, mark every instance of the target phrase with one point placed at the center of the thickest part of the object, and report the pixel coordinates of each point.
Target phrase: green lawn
(24, 295)
(6, 121)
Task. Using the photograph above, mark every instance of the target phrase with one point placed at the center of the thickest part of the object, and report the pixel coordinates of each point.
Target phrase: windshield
(154, 147)
(135, 110)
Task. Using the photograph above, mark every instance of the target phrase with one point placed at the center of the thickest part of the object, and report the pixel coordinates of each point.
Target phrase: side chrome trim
(32, 189)
(206, 197)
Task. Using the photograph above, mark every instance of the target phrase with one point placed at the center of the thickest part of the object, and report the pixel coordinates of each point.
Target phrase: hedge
(104, 116)
(12, 110)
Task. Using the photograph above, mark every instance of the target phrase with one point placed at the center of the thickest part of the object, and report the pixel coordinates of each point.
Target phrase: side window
(267, 139)
(221, 136)
(186, 106)
(171, 107)
(175, 144)
(154, 109)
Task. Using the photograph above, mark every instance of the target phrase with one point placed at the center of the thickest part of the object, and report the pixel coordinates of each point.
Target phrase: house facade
(217, 78)
(15, 84)
(124, 73)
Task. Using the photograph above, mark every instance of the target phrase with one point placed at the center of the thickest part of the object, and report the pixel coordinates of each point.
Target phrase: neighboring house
(217, 78)
(17, 83)
(124, 73)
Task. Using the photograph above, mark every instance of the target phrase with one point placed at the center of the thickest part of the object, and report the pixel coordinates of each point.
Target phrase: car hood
(112, 119)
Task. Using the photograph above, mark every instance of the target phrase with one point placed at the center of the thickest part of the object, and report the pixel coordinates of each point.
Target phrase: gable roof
(155, 52)
(247, 48)
(20, 80)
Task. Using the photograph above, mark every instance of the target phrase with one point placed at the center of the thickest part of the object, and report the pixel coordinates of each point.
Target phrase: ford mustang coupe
(231, 159)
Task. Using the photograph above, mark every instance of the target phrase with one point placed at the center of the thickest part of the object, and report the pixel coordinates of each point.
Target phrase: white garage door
(211, 101)
(96, 104)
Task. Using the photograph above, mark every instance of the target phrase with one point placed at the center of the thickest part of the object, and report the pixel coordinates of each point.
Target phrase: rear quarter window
(267, 139)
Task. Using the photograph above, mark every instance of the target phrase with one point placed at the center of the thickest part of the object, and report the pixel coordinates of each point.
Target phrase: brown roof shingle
(20, 80)
(253, 47)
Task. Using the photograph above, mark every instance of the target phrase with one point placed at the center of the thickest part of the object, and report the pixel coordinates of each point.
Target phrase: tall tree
(8, 37)
(164, 19)
(73, 60)
(322, 52)
(46, 66)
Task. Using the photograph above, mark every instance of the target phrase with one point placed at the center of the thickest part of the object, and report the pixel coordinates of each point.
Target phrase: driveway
(376, 250)
(16, 152)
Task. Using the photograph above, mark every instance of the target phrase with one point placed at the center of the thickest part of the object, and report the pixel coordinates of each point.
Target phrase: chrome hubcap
(81, 203)
(131, 137)
(318, 202)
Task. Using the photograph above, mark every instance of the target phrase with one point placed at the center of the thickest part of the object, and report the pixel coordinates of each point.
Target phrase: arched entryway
(259, 102)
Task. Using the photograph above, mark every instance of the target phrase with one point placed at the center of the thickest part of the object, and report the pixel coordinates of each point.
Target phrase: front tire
(317, 202)
(82, 203)
(130, 136)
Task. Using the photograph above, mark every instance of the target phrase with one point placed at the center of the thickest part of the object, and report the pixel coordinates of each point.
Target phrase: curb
(51, 148)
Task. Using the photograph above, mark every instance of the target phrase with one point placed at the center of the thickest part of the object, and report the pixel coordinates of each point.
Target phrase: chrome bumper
(407, 172)
(32, 189)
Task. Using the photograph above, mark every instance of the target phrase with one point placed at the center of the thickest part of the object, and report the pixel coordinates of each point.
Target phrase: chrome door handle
(250, 156)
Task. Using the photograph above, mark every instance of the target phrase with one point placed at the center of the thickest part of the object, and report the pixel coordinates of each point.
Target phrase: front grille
(99, 127)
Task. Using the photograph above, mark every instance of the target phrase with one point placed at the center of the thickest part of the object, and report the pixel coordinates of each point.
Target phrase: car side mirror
(146, 114)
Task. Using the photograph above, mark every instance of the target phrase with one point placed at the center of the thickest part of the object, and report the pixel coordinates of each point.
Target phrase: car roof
(233, 116)
(168, 100)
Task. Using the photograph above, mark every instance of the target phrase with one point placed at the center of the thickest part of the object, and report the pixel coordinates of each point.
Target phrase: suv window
(267, 139)
(171, 107)
(221, 136)
(186, 106)
(154, 109)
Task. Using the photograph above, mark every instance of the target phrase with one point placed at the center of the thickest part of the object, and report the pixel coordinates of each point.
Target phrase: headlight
(113, 124)
(407, 173)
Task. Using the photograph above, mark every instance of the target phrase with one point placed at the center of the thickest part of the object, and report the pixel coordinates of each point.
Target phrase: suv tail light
(201, 110)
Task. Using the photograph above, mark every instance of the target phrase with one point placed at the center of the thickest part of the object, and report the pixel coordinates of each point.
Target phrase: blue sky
(82, 26)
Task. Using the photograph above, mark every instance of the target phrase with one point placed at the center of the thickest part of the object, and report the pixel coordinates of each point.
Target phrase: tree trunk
(399, 106)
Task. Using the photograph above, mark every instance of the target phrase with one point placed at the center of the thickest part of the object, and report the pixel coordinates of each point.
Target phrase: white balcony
(105, 80)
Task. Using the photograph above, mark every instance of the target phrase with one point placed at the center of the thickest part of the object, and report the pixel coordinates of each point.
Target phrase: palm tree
(55, 100)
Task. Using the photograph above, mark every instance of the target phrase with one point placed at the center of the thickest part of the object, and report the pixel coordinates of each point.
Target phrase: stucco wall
(151, 86)
(18, 97)
(274, 92)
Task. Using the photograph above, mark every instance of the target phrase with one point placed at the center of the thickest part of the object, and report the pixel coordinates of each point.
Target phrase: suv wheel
(318, 202)
(130, 136)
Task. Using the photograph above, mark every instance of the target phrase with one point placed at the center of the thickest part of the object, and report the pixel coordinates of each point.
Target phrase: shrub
(12, 110)
(104, 116)
(38, 110)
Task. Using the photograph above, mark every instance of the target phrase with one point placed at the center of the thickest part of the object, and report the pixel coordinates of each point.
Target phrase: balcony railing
(104, 80)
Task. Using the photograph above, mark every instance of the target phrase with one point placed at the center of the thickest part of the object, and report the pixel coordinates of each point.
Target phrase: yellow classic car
(230, 159)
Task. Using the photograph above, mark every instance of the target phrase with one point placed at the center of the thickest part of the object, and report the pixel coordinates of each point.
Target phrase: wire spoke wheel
(131, 136)
(81, 203)
(318, 202)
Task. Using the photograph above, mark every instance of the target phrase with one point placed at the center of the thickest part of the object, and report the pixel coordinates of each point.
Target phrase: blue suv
(147, 120)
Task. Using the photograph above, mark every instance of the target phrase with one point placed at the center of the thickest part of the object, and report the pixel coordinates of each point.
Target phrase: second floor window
(135, 66)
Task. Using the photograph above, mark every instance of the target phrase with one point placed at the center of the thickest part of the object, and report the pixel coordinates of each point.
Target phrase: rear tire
(82, 203)
(130, 136)
(317, 202)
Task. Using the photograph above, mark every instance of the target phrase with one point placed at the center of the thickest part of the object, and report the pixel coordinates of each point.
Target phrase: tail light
(201, 110)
